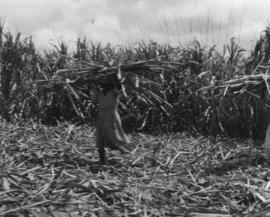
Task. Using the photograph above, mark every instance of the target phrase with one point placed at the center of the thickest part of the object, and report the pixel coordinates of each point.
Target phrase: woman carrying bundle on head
(109, 130)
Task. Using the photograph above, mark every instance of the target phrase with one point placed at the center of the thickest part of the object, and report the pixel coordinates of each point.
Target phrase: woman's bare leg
(102, 154)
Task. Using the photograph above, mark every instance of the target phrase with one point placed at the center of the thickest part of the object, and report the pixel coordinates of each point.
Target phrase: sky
(124, 22)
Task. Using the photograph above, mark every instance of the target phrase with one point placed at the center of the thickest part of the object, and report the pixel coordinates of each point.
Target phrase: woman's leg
(102, 154)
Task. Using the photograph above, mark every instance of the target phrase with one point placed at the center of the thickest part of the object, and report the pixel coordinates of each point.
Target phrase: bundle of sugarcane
(85, 72)
(241, 84)
(247, 83)
(143, 79)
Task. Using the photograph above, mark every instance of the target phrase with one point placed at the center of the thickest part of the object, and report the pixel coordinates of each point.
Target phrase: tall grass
(192, 109)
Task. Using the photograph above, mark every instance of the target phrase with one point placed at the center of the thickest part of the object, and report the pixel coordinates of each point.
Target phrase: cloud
(127, 21)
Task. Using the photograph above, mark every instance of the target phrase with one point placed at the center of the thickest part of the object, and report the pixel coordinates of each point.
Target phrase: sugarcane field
(150, 129)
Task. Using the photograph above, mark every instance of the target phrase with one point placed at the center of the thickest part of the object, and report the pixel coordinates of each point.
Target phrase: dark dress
(109, 130)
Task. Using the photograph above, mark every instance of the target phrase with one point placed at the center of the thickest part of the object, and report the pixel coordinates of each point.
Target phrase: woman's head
(112, 83)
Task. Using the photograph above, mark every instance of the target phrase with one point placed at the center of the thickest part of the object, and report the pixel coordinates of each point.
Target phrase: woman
(109, 130)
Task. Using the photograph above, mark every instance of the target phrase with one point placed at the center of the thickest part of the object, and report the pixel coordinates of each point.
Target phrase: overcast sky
(127, 21)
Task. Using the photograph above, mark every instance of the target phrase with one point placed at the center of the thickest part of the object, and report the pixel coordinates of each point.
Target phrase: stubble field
(54, 171)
